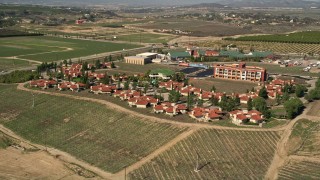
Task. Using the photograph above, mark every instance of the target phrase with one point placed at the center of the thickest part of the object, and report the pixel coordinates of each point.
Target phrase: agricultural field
(222, 85)
(135, 68)
(47, 49)
(307, 37)
(305, 139)
(7, 64)
(275, 68)
(89, 131)
(223, 154)
(314, 111)
(300, 170)
(276, 47)
(145, 38)
(196, 28)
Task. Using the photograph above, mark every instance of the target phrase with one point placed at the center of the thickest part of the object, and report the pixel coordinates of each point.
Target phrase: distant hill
(208, 5)
(199, 3)
(272, 3)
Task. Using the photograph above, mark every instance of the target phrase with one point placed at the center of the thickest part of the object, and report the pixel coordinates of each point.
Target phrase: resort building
(239, 72)
(137, 60)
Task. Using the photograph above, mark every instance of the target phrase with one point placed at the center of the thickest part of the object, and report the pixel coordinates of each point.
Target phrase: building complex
(239, 72)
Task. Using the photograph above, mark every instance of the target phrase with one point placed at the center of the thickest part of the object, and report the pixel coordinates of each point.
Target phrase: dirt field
(314, 110)
(17, 164)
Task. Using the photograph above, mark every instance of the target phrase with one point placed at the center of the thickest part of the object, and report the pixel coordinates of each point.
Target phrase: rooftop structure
(239, 72)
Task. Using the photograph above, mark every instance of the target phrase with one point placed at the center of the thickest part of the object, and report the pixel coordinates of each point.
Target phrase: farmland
(276, 47)
(300, 170)
(7, 64)
(309, 37)
(222, 85)
(47, 49)
(223, 154)
(274, 68)
(305, 139)
(196, 28)
(314, 111)
(89, 131)
(146, 38)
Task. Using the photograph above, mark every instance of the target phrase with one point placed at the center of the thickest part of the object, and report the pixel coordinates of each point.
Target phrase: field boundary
(158, 151)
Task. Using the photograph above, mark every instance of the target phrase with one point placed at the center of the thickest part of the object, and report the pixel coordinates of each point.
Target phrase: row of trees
(314, 94)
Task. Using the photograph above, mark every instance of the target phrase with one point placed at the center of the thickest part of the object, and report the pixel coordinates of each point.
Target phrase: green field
(223, 154)
(7, 64)
(92, 132)
(135, 68)
(300, 170)
(305, 138)
(145, 38)
(223, 85)
(274, 68)
(311, 37)
(47, 49)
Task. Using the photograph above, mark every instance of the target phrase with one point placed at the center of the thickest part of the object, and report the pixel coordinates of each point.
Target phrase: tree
(113, 65)
(126, 85)
(285, 97)
(134, 85)
(294, 107)
(174, 96)
(260, 104)
(106, 79)
(263, 93)
(249, 104)
(300, 90)
(70, 62)
(98, 64)
(200, 102)
(55, 67)
(213, 88)
(146, 87)
(190, 100)
(65, 63)
(287, 88)
(110, 58)
(214, 101)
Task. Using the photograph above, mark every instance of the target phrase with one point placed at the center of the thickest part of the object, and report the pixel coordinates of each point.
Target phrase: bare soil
(17, 164)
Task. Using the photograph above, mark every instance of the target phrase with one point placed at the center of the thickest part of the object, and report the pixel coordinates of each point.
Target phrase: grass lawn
(223, 154)
(47, 49)
(7, 64)
(273, 68)
(89, 131)
(145, 38)
(223, 85)
(134, 68)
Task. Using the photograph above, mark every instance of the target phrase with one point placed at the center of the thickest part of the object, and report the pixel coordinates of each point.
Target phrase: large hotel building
(239, 72)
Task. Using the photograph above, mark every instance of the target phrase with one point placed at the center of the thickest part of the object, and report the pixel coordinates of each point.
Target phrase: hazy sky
(133, 2)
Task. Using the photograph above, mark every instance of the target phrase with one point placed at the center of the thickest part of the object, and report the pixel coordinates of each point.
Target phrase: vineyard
(276, 47)
(300, 170)
(89, 131)
(6, 64)
(310, 37)
(47, 49)
(305, 136)
(222, 154)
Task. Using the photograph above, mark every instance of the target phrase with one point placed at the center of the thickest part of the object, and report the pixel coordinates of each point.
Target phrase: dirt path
(144, 116)
(281, 156)
(156, 152)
